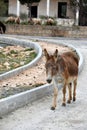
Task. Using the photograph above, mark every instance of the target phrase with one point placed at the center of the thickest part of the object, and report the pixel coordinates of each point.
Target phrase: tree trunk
(29, 11)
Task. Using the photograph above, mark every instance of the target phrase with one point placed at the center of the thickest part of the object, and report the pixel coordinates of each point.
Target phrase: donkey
(62, 69)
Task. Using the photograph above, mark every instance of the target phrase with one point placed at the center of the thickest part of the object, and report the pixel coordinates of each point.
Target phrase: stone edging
(24, 43)
(11, 103)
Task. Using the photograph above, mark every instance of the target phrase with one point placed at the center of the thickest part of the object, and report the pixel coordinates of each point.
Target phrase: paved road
(38, 116)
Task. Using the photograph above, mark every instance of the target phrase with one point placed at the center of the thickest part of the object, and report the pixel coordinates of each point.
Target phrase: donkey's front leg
(54, 98)
(64, 95)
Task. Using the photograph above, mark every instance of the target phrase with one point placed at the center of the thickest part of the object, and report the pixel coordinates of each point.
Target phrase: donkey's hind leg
(74, 90)
(70, 92)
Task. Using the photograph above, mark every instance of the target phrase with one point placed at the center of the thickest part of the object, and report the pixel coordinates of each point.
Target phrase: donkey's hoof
(64, 104)
(74, 99)
(68, 101)
(52, 108)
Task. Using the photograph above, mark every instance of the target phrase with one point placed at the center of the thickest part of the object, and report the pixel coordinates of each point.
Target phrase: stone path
(38, 116)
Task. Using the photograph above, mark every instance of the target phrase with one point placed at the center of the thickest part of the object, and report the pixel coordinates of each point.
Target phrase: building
(54, 8)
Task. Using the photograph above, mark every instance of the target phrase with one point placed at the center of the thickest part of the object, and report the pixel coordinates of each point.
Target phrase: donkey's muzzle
(49, 81)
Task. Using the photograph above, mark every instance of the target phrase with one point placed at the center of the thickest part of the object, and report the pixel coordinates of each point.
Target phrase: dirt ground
(34, 76)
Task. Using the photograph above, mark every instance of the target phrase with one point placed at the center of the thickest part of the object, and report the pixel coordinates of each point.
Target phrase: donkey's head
(51, 65)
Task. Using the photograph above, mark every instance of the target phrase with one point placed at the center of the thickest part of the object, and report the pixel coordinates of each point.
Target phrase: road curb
(24, 43)
(11, 103)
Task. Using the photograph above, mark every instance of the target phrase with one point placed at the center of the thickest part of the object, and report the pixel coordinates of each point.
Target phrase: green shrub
(23, 16)
(50, 22)
(13, 52)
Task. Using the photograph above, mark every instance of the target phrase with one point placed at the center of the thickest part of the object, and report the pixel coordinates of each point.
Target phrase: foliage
(82, 5)
(46, 17)
(11, 59)
(23, 16)
(28, 1)
(3, 8)
(24, 23)
(79, 3)
(50, 21)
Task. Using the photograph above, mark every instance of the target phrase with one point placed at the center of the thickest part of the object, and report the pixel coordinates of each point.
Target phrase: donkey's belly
(61, 79)
(71, 79)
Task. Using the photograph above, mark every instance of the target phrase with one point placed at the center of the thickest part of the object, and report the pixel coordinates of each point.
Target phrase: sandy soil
(34, 75)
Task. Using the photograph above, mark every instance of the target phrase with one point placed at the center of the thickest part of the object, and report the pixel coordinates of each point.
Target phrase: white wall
(53, 8)
(12, 7)
(23, 9)
(42, 8)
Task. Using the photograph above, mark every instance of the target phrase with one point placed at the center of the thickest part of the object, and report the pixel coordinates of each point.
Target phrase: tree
(82, 5)
(3, 8)
(29, 5)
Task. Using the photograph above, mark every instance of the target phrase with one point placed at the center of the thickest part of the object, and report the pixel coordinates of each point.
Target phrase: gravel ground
(38, 116)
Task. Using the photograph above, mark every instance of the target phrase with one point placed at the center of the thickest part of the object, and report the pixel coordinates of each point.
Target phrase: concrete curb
(24, 43)
(16, 101)
(11, 103)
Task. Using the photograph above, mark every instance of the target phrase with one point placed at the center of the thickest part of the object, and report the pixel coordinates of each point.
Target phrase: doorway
(34, 11)
(62, 9)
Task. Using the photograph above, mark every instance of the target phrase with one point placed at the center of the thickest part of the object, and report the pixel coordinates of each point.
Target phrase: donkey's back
(70, 63)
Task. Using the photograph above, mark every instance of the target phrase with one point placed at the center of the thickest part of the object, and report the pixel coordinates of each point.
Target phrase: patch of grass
(15, 58)
(2, 55)
(24, 23)
(33, 55)
(13, 52)
(28, 49)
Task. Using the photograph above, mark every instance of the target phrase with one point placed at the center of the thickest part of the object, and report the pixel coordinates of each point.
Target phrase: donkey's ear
(56, 53)
(46, 54)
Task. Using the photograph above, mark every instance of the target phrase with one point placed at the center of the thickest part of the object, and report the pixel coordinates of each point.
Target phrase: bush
(24, 23)
(50, 21)
(13, 20)
(34, 21)
(23, 16)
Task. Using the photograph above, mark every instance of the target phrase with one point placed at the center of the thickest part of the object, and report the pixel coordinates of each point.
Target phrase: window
(62, 9)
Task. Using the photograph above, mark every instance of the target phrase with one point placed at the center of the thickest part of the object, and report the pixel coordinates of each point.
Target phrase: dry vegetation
(12, 57)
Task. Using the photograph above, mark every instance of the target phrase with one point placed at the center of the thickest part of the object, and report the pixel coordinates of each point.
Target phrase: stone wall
(55, 31)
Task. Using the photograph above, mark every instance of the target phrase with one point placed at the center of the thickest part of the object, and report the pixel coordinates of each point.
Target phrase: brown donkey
(62, 69)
